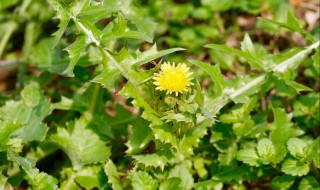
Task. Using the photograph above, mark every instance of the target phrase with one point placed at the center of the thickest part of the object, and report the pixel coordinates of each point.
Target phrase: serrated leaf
(182, 172)
(296, 147)
(171, 183)
(249, 156)
(214, 73)
(309, 183)
(81, 144)
(192, 138)
(157, 159)
(113, 175)
(266, 150)
(282, 182)
(75, 50)
(142, 180)
(64, 18)
(108, 77)
(294, 167)
(38, 180)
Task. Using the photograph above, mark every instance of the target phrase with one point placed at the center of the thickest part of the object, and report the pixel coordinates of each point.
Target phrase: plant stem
(11, 27)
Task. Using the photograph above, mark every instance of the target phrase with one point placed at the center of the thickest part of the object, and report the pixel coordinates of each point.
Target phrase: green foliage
(83, 111)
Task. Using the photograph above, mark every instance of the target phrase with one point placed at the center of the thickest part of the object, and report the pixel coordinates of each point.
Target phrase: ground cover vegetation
(169, 95)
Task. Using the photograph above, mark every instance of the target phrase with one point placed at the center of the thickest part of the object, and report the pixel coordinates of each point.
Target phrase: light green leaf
(75, 50)
(182, 172)
(152, 54)
(28, 113)
(282, 182)
(293, 167)
(142, 180)
(64, 18)
(249, 156)
(209, 184)
(172, 183)
(252, 55)
(266, 150)
(313, 152)
(309, 183)
(192, 138)
(297, 147)
(38, 180)
(157, 159)
(81, 144)
(293, 62)
(297, 86)
(244, 87)
(139, 138)
(214, 73)
(216, 5)
(88, 177)
(113, 175)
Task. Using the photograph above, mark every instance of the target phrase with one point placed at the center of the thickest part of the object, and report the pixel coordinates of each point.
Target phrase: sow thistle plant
(184, 137)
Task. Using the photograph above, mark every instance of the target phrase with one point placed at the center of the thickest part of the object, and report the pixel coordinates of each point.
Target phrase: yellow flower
(173, 78)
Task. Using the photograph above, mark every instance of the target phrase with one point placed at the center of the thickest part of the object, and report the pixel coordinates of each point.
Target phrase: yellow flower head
(173, 78)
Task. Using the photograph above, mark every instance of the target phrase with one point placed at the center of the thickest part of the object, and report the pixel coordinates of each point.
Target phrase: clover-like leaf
(297, 147)
(249, 156)
(266, 150)
(294, 167)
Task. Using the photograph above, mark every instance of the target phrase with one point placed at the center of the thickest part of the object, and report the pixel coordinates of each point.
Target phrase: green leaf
(297, 147)
(282, 132)
(142, 180)
(75, 50)
(139, 138)
(87, 177)
(209, 184)
(249, 156)
(182, 172)
(64, 18)
(309, 183)
(192, 138)
(113, 175)
(254, 58)
(294, 167)
(291, 23)
(171, 183)
(282, 182)
(38, 180)
(29, 113)
(214, 73)
(244, 87)
(81, 144)
(266, 150)
(216, 5)
(313, 152)
(157, 159)
(292, 62)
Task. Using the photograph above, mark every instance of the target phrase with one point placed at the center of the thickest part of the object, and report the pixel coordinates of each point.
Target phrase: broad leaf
(294, 167)
(81, 144)
(142, 180)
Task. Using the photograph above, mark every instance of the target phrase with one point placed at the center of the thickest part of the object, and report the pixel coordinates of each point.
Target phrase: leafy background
(79, 110)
